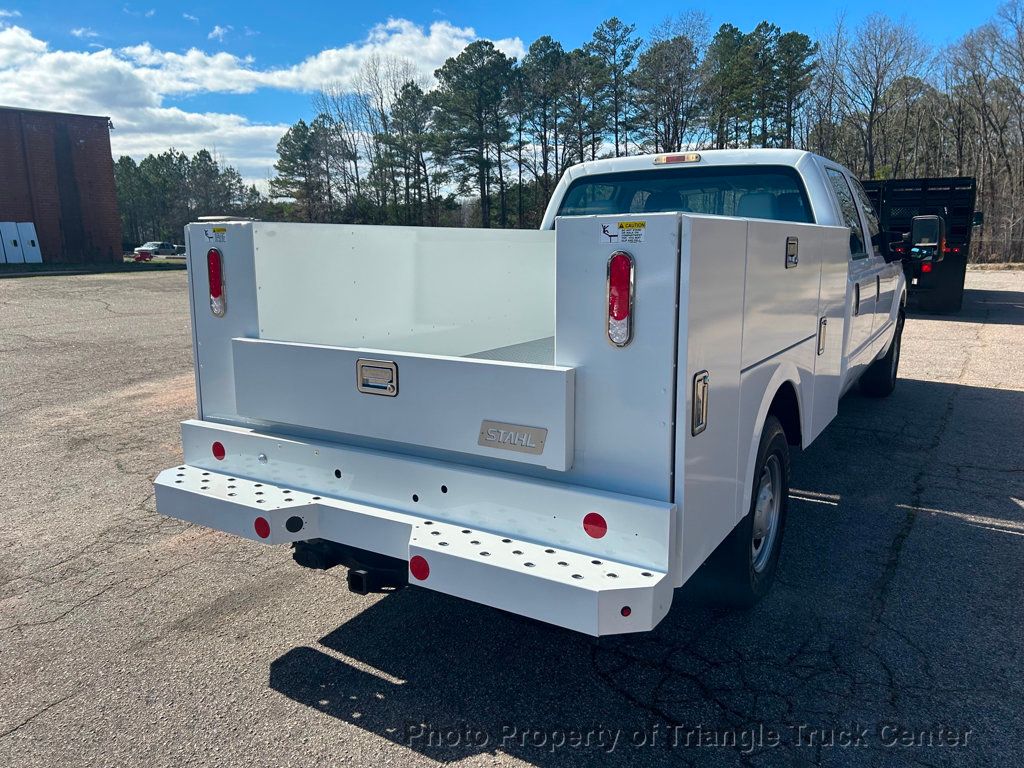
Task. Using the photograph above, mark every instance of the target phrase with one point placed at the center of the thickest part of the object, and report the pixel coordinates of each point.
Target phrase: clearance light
(620, 298)
(218, 451)
(262, 527)
(215, 272)
(686, 157)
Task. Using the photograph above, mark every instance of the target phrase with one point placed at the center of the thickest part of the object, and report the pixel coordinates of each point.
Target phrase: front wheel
(744, 565)
(879, 380)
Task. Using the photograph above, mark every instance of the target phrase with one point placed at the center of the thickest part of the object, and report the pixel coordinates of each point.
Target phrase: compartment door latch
(377, 377)
(792, 252)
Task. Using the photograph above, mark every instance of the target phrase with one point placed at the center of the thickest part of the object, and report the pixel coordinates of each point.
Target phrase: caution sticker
(623, 232)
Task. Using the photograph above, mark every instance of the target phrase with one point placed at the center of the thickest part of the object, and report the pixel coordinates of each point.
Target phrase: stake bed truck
(564, 423)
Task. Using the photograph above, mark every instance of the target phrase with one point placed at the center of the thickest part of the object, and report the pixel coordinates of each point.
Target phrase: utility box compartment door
(29, 242)
(12, 242)
(513, 411)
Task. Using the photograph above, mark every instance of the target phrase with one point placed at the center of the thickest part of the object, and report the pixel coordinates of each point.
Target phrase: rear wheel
(879, 380)
(744, 565)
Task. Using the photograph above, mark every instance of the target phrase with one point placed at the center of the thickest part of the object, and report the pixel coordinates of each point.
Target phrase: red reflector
(215, 273)
(595, 525)
(626, 610)
(620, 298)
(262, 527)
(419, 568)
(218, 451)
(926, 267)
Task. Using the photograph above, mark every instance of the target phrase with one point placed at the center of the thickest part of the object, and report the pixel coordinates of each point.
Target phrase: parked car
(147, 251)
(563, 424)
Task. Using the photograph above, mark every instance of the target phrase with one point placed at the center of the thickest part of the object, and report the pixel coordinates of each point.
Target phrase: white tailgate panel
(441, 401)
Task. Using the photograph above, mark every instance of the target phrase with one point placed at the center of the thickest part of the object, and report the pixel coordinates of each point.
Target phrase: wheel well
(786, 409)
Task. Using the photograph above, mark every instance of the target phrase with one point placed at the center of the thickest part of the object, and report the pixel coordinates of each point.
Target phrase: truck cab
(771, 184)
(564, 423)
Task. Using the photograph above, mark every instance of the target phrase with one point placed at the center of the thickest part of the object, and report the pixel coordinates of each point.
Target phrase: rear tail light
(926, 267)
(215, 272)
(620, 298)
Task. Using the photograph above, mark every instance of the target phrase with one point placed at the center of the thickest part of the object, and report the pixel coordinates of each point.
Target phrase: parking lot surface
(893, 637)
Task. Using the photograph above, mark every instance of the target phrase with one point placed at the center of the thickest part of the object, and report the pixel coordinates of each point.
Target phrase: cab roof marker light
(685, 157)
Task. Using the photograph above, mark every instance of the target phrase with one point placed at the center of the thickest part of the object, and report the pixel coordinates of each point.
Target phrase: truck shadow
(848, 634)
(983, 306)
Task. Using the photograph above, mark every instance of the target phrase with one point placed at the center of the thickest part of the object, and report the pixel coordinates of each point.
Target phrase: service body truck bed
(564, 424)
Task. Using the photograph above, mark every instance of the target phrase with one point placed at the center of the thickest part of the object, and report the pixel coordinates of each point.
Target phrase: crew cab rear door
(862, 288)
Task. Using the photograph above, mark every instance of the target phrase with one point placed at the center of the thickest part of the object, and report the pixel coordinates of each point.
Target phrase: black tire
(879, 380)
(739, 574)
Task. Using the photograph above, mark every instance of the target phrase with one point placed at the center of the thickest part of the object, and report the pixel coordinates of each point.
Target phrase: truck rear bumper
(500, 540)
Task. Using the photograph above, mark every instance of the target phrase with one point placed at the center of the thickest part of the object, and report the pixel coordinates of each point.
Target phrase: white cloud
(189, 17)
(82, 32)
(150, 13)
(219, 33)
(133, 85)
(5, 14)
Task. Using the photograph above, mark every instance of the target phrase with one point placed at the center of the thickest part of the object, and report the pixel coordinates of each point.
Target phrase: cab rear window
(760, 192)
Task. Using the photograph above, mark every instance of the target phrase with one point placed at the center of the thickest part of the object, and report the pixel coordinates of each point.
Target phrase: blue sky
(253, 69)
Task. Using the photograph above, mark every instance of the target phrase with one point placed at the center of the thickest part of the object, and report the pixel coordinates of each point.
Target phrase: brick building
(56, 170)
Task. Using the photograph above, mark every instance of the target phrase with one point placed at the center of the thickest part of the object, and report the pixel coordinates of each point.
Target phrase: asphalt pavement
(893, 637)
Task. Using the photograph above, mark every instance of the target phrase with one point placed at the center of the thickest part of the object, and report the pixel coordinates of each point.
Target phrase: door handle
(878, 287)
(856, 298)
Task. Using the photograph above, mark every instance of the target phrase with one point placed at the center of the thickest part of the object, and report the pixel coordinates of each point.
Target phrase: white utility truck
(565, 423)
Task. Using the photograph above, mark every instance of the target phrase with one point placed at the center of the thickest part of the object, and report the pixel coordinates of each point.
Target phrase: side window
(849, 210)
(874, 230)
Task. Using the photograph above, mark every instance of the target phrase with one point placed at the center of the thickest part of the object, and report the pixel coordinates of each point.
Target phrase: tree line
(158, 196)
(485, 141)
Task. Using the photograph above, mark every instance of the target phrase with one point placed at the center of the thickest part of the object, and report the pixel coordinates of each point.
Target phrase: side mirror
(979, 219)
(896, 247)
(928, 237)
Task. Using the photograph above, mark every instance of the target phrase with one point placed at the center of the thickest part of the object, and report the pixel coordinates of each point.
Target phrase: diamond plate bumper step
(577, 591)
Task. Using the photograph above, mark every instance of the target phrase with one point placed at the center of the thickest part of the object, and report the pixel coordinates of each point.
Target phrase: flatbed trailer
(934, 285)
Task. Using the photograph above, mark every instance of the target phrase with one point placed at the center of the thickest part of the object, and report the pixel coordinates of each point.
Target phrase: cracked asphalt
(894, 636)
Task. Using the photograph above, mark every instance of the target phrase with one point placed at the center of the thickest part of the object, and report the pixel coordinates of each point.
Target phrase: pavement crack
(33, 716)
